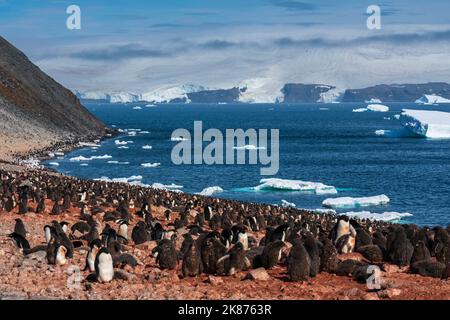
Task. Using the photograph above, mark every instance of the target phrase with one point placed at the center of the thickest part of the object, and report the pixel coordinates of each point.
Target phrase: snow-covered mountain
(430, 99)
(266, 90)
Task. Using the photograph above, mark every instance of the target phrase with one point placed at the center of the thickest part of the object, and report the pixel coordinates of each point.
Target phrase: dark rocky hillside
(36, 111)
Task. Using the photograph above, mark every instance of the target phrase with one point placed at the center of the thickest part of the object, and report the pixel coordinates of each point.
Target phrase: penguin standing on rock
(104, 269)
(313, 250)
(19, 228)
(329, 256)
(94, 248)
(192, 262)
(166, 254)
(271, 254)
(299, 264)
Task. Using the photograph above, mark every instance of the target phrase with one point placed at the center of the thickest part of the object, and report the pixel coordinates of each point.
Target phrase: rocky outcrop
(36, 111)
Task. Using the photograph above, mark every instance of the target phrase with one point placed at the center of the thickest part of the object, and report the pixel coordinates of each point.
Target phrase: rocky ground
(32, 278)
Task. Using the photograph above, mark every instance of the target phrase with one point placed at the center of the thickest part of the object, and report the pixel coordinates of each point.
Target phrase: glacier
(430, 99)
(428, 124)
(349, 202)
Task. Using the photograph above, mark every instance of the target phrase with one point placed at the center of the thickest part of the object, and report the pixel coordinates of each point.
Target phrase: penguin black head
(95, 243)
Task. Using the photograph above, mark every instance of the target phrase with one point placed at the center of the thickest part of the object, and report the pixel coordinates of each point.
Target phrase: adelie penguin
(166, 254)
(312, 247)
(19, 228)
(271, 254)
(233, 262)
(299, 264)
(104, 269)
(192, 262)
(94, 248)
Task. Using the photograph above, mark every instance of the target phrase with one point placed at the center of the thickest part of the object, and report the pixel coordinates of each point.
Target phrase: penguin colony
(216, 235)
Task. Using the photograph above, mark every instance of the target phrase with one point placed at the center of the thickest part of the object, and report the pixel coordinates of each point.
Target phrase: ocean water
(319, 143)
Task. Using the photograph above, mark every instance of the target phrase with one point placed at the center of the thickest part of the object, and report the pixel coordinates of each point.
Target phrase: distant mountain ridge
(289, 93)
(35, 111)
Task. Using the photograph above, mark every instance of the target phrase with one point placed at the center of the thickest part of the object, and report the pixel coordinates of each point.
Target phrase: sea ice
(210, 191)
(287, 204)
(377, 108)
(295, 185)
(360, 110)
(151, 165)
(146, 147)
(56, 164)
(82, 158)
(349, 202)
(424, 123)
(385, 216)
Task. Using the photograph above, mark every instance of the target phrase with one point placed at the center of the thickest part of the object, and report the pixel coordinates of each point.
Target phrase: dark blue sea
(325, 143)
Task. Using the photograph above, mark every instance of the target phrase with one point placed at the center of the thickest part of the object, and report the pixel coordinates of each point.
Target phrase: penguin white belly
(91, 261)
(105, 268)
(48, 235)
(61, 256)
(243, 238)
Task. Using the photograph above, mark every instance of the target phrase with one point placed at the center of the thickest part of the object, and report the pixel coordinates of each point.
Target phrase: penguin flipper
(35, 249)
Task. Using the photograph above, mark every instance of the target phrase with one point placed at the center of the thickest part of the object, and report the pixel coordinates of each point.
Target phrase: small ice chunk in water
(349, 202)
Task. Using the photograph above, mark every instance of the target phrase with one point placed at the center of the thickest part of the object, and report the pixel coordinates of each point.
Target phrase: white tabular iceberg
(424, 123)
(295, 185)
(385, 216)
(377, 108)
(349, 202)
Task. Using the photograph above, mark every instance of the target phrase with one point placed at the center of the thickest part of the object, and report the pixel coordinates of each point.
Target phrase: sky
(139, 46)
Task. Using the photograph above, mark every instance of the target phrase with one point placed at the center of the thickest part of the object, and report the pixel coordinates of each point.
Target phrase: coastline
(29, 277)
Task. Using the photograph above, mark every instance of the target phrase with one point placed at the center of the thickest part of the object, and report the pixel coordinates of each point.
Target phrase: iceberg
(349, 202)
(377, 108)
(360, 110)
(424, 123)
(82, 158)
(295, 185)
(385, 216)
(56, 164)
(373, 100)
(210, 191)
(382, 132)
(151, 165)
(287, 204)
(146, 147)
(430, 99)
(166, 186)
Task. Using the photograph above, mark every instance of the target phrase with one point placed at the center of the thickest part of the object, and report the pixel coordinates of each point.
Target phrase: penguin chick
(192, 263)
(271, 254)
(299, 263)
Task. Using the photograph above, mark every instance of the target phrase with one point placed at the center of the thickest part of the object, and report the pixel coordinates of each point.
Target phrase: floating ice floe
(150, 105)
(430, 99)
(83, 164)
(287, 204)
(377, 108)
(295, 185)
(144, 132)
(82, 158)
(210, 191)
(59, 153)
(424, 123)
(118, 162)
(373, 108)
(147, 147)
(382, 132)
(249, 147)
(151, 165)
(323, 211)
(88, 144)
(132, 133)
(171, 186)
(123, 147)
(120, 143)
(133, 179)
(137, 108)
(178, 139)
(349, 202)
(385, 216)
(55, 164)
